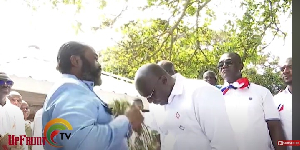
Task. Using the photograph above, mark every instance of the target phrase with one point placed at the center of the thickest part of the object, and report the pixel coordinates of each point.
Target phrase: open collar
(178, 86)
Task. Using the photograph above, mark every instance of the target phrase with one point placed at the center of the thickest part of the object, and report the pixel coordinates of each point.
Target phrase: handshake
(135, 118)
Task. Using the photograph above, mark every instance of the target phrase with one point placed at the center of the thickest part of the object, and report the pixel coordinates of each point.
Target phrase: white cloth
(38, 128)
(283, 101)
(248, 110)
(3, 122)
(13, 120)
(195, 118)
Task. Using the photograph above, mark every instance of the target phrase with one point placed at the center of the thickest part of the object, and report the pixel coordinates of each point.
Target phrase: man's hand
(135, 117)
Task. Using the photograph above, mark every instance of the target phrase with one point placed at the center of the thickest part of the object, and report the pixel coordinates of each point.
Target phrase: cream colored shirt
(13, 120)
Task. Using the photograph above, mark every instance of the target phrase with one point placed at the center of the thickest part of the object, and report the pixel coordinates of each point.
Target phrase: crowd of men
(187, 113)
(14, 111)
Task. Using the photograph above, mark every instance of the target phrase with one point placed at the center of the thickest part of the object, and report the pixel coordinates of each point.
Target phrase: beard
(90, 73)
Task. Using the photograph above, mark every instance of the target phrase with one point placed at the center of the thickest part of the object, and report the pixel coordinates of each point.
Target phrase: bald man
(250, 108)
(193, 115)
(168, 66)
(283, 99)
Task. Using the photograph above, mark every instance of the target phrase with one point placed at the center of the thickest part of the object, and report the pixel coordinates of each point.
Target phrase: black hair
(65, 52)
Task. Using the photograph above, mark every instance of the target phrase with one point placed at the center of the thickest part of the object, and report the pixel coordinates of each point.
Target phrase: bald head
(153, 83)
(230, 66)
(235, 56)
(286, 68)
(148, 73)
(168, 66)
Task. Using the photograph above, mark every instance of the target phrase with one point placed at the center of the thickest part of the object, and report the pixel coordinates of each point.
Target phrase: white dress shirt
(38, 128)
(283, 101)
(13, 119)
(195, 118)
(248, 110)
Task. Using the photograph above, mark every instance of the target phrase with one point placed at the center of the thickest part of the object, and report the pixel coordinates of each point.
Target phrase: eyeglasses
(148, 97)
(226, 62)
(6, 82)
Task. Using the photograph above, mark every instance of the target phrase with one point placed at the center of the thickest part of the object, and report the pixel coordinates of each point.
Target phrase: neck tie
(238, 84)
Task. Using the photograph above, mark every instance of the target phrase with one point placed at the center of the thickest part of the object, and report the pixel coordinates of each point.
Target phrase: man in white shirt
(211, 78)
(11, 116)
(283, 99)
(5, 86)
(193, 114)
(250, 107)
(38, 128)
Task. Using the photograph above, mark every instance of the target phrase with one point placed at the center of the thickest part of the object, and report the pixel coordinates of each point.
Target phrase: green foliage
(119, 107)
(195, 48)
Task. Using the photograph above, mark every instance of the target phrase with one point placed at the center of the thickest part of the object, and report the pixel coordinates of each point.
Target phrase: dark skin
(4, 89)
(230, 72)
(139, 104)
(88, 67)
(154, 83)
(210, 77)
(287, 73)
(25, 109)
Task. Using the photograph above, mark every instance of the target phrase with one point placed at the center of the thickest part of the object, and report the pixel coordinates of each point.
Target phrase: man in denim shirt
(72, 98)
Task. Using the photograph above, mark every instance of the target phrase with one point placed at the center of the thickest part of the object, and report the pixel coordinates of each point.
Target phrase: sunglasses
(6, 82)
(226, 62)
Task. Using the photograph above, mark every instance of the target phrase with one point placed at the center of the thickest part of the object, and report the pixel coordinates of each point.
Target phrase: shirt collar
(235, 84)
(287, 90)
(90, 84)
(178, 86)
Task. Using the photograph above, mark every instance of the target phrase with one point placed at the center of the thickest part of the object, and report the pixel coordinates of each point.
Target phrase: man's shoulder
(66, 85)
(259, 88)
(12, 109)
(279, 95)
